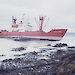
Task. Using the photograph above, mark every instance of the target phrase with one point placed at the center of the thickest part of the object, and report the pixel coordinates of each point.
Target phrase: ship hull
(53, 35)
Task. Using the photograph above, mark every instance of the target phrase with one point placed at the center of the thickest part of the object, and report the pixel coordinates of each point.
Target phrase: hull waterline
(53, 35)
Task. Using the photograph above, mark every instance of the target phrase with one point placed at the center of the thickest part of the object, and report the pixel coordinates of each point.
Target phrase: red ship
(53, 35)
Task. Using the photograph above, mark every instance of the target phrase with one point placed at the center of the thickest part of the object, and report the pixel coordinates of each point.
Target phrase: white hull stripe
(35, 37)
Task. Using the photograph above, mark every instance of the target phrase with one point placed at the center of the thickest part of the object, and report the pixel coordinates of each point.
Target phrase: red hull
(55, 34)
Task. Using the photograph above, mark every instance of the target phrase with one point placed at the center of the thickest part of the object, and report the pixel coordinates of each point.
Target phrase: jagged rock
(34, 53)
(42, 61)
(49, 45)
(71, 66)
(18, 49)
(59, 51)
(5, 60)
(71, 48)
(9, 59)
(62, 71)
(64, 44)
(60, 45)
(45, 49)
(60, 62)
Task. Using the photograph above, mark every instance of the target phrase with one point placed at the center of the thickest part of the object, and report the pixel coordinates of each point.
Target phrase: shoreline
(44, 62)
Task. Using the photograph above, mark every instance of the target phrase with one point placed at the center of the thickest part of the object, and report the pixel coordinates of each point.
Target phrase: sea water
(69, 38)
(7, 45)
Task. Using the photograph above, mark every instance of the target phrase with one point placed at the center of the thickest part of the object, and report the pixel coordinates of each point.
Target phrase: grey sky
(60, 12)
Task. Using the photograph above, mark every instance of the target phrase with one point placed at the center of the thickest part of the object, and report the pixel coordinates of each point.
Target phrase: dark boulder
(2, 55)
(34, 53)
(60, 45)
(71, 48)
(62, 71)
(71, 66)
(60, 51)
(49, 45)
(18, 49)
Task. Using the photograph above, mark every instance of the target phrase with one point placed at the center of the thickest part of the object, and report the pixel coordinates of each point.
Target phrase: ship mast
(41, 19)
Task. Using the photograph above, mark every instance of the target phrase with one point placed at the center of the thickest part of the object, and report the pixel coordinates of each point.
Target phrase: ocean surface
(69, 38)
(7, 45)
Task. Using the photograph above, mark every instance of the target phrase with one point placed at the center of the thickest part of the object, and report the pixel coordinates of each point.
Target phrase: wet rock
(17, 55)
(45, 49)
(42, 61)
(2, 55)
(67, 66)
(18, 49)
(5, 60)
(23, 54)
(71, 48)
(64, 44)
(60, 45)
(34, 53)
(9, 59)
(49, 45)
(60, 62)
(62, 71)
(71, 66)
(60, 51)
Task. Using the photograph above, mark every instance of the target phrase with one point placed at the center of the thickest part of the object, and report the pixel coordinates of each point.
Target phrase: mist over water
(7, 45)
(69, 38)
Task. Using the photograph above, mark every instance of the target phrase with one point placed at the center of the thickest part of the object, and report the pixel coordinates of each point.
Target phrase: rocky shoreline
(44, 62)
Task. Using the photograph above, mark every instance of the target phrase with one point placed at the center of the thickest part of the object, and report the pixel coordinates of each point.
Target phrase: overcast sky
(61, 13)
